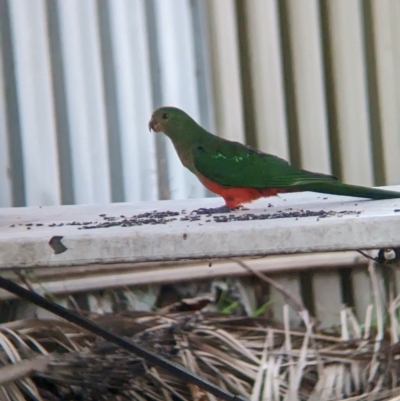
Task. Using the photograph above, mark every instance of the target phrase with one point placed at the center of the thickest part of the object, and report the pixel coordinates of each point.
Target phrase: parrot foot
(217, 210)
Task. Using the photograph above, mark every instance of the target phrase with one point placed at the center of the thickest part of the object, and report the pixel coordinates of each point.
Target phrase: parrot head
(166, 119)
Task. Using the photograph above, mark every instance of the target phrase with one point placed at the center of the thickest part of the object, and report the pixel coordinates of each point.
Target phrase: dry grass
(254, 357)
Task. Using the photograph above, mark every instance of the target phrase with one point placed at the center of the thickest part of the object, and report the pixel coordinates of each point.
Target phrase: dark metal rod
(148, 356)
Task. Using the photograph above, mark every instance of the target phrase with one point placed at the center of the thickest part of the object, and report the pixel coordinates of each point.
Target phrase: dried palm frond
(257, 358)
(253, 357)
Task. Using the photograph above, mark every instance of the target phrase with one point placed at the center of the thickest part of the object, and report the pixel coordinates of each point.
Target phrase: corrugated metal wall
(316, 82)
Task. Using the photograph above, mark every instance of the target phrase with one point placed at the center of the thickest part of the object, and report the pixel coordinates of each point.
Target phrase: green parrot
(240, 173)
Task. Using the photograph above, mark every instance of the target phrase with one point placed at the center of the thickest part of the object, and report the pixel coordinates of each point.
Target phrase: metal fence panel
(178, 82)
(35, 100)
(385, 25)
(350, 129)
(5, 159)
(134, 98)
(308, 81)
(311, 81)
(224, 50)
(85, 99)
(267, 77)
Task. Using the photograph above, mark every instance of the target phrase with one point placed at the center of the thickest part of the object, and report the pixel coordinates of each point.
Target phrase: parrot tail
(337, 188)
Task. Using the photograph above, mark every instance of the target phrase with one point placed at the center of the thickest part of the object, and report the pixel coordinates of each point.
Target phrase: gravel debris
(283, 215)
(152, 218)
(218, 215)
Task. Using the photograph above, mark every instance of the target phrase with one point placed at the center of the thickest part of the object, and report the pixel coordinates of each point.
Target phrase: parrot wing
(236, 165)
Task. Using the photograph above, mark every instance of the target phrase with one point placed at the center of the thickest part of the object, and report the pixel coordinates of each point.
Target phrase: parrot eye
(165, 116)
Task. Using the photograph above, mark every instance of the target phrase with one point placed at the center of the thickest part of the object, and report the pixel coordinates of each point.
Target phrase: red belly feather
(236, 196)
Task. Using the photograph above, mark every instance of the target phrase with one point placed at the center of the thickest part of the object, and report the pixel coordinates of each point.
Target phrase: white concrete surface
(376, 225)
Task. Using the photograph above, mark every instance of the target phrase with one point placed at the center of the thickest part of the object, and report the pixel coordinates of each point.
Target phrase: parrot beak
(151, 124)
(154, 125)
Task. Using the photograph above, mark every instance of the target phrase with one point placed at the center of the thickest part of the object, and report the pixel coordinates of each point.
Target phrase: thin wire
(148, 356)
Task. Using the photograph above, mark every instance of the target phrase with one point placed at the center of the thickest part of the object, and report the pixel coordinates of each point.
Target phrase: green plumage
(232, 164)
